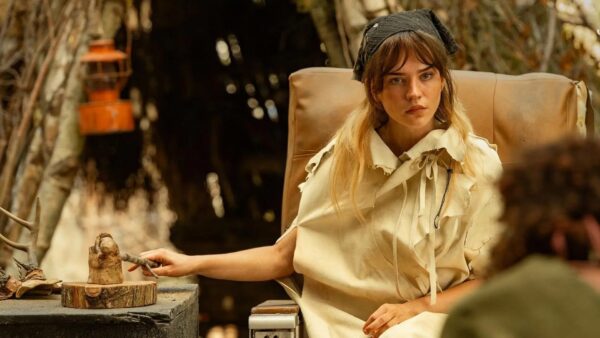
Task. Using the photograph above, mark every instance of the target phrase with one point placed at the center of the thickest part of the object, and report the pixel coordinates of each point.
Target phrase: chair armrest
(274, 306)
(275, 318)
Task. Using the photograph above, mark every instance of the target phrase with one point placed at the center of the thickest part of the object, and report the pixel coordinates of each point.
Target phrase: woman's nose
(413, 90)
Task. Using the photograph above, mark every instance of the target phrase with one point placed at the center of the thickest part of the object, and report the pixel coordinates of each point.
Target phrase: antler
(33, 227)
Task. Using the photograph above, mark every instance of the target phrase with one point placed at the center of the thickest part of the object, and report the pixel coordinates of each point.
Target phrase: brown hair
(550, 190)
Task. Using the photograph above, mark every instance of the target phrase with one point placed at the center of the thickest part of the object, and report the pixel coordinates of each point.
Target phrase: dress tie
(429, 174)
(428, 165)
(395, 241)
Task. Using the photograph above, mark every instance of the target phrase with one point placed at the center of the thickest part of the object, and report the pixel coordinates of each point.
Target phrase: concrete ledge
(175, 314)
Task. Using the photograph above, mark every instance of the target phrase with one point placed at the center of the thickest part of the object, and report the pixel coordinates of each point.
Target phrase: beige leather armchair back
(512, 112)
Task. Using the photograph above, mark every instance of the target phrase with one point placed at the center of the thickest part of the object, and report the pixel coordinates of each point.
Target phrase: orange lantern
(106, 74)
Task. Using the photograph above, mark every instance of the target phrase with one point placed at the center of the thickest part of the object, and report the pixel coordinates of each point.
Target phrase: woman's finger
(162, 271)
(378, 323)
(380, 331)
(374, 316)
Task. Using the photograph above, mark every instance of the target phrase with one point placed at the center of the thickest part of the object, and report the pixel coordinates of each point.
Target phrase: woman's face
(411, 94)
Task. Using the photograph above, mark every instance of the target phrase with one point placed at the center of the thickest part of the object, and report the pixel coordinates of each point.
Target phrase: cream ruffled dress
(422, 234)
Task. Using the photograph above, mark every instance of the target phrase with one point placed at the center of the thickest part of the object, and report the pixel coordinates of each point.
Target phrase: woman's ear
(377, 97)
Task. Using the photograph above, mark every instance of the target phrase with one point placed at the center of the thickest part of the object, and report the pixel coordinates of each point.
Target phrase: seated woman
(547, 278)
(396, 210)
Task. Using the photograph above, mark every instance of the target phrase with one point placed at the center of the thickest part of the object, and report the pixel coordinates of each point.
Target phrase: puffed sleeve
(311, 167)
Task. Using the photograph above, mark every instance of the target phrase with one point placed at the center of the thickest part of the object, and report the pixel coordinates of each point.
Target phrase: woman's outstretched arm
(256, 264)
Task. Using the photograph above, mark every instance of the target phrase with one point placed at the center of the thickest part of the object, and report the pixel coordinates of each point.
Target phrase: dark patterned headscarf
(381, 28)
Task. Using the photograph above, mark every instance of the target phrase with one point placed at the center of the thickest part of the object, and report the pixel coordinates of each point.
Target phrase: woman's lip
(414, 109)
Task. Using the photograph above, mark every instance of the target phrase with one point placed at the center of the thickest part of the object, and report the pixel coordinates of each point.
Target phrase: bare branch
(35, 230)
(339, 16)
(139, 261)
(51, 28)
(18, 246)
(7, 23)
(14, 58)
(549, 40)
(34, 227)
(31, 66)
(148, 264)
(20, 221)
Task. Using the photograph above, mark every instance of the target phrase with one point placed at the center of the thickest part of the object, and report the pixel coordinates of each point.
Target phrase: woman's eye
(395, 80)
(427, 76)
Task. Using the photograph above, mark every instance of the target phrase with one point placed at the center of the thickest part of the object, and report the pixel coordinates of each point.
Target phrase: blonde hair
(351, 153)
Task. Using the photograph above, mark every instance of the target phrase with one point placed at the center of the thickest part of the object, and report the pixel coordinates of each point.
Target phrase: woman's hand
(389, 315)
(173, 264)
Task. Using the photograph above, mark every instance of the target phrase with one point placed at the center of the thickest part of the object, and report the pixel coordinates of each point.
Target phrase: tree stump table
(175, 314)
(111, 296)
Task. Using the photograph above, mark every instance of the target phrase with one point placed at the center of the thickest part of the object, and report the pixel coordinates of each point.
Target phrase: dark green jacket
(538, 298)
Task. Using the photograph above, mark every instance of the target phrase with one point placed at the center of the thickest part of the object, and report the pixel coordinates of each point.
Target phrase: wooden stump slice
(96, 296)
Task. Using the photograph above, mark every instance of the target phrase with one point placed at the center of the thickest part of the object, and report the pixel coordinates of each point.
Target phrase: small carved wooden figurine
(105, 261)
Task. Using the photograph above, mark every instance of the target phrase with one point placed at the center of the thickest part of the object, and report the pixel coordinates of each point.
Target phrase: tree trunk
(323, 16)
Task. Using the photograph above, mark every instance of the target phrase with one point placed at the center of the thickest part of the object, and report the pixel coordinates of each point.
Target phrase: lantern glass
(105, 76)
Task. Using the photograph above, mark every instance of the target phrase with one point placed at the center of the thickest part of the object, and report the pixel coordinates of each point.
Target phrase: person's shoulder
(485, 156)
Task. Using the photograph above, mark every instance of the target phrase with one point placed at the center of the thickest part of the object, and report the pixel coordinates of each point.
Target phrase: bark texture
(95, 296)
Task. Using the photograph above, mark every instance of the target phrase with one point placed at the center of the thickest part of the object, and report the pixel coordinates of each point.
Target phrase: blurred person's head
(551, 204)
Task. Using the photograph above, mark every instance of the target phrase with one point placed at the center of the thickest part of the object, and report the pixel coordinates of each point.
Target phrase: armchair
(512, 112)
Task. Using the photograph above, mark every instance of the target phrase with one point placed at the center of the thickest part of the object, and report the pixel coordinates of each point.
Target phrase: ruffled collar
(437, 139)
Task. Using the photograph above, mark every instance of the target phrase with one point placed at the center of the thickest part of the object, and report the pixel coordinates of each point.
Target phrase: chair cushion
(512, 112)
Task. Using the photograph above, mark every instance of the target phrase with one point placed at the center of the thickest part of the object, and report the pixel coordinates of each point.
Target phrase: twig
(14, 58)
(139, 260)
(31, 66)
(20, 221)
(33, 227)
(15, 245)
(506, 8)
(6, 24)
(549, 40)
(147, 263)
(49, 18)
(341, 27)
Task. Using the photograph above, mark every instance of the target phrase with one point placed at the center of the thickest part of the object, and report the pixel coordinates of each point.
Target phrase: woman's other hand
(388, 315)
(173, 264)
